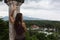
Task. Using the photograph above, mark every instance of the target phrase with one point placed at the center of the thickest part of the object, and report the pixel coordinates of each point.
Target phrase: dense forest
(44, 24)
(34, 35)
(31, 35)
(4, 30)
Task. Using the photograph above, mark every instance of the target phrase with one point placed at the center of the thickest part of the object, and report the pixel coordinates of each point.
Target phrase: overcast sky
(43, 9)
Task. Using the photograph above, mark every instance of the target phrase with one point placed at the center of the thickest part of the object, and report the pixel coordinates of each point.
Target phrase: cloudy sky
(43, 9)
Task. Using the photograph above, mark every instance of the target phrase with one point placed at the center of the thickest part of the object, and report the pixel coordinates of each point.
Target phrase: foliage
(34, 37)
(27, 36)
(52, 37)
(31, 35)
(4, 30)
(44, 24)
(41, 36)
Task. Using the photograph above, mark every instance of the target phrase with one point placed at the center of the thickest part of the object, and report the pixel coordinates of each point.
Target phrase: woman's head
(18, 17)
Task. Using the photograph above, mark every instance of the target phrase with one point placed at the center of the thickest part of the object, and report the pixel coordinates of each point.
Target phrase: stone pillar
(10, 3)
(17, 9)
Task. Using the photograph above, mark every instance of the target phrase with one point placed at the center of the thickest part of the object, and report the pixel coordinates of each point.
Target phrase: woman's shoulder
(23, 22)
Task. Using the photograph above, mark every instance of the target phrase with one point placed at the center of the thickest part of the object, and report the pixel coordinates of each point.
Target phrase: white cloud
(3, 13)
(3, 9)
(43, 4)
(43, 14)
(44, 9)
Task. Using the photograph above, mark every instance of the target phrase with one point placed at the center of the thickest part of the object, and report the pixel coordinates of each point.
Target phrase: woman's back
(19, 29)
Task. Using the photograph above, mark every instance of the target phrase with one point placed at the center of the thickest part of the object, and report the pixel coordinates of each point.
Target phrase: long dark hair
(18, 24)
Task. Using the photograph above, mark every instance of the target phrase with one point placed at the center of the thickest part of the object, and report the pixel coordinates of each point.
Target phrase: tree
(34, 37)
(52, 37)
(41, 36)
(4, 34)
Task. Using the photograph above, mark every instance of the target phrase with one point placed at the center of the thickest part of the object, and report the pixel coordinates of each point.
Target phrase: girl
(18, 24)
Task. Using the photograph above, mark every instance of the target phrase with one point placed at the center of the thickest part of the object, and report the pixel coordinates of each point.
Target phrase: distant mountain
(27, 18)
(30, 18)
(24, 18)
(6, 18)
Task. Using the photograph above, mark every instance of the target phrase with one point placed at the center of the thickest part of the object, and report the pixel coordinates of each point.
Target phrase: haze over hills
(24, 18)
(27, 18)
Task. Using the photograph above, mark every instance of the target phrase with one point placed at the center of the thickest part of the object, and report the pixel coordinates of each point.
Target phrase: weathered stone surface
(10, 4)
(21, 1)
